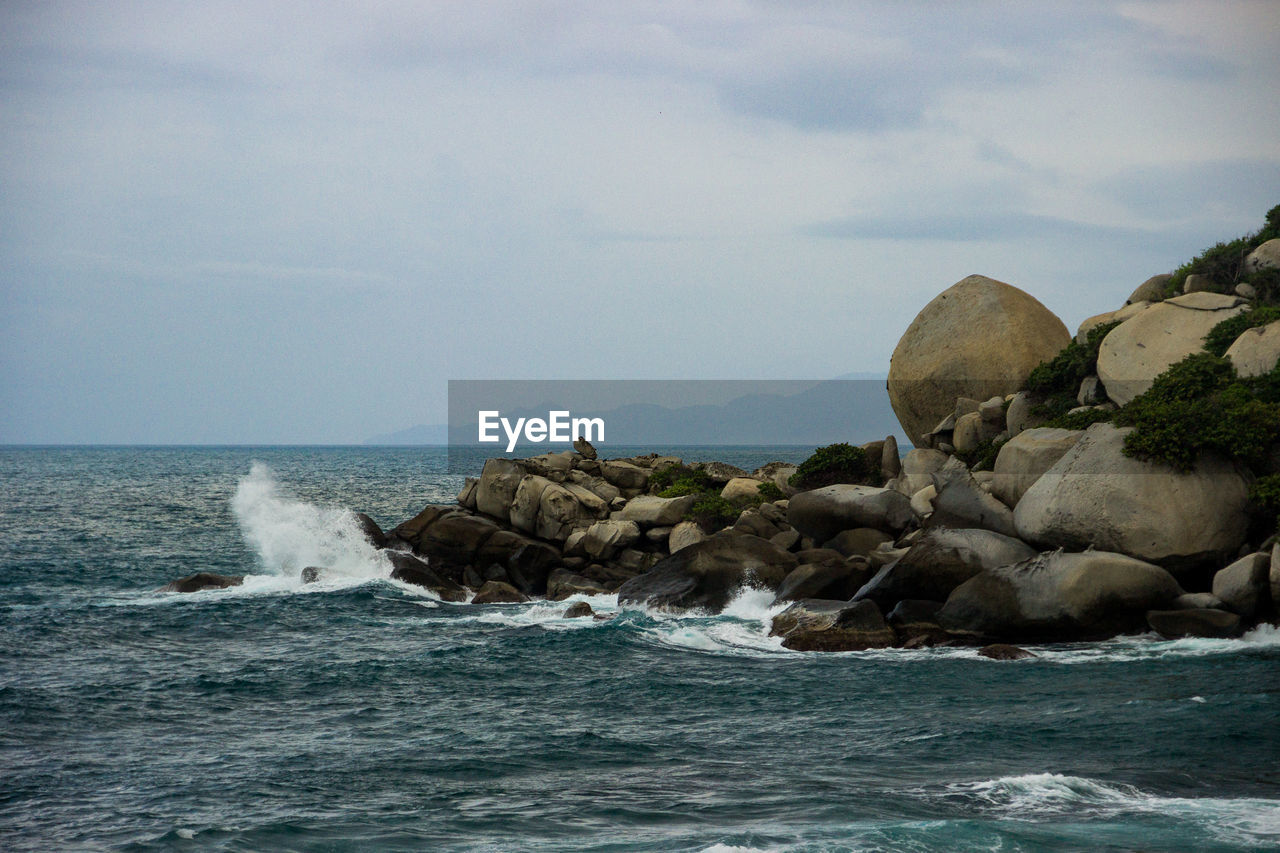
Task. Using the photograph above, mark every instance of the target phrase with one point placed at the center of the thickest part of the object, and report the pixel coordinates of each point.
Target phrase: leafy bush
(1224, 264)
(1264, 494)
(982, 457)
(1223, 335)
(770, 492)
(713, 512)
(1200, 404)
(1054, 384)
(835, 463)
(1082, 420)
(676, 481)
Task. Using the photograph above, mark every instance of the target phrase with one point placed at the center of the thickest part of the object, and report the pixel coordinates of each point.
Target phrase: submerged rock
(203, 580)
(1204, 622)
(1004, 651)
(817, 625)
(497, 592)
(707, 574)
(414, 570)
(578, 610)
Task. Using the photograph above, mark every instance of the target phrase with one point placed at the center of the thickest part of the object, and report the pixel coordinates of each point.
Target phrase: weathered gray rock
(890, 462)
(1245, 290)
(1245, 585)
(917, 469)
(719, 472)
(578, 610)
(624, 475)
(653, 511)
(1019, 416)
(497, 592)
(1060, 596)
(979, 338)
(311, 574)
(525, 562)
(939, 561)
(584, 447)
(371, 531)
(606, 538)
(1025, 457)
(1173, 624)
(1266, 256)
(741, 488)
(960, 502)
(916, 619)
(413, 570)
(467, 496)
(922, 501)
(707, 574)
(1196, 283)
(683, 535)
(563, 583)
(1275, 574)
(972, 431)
(822, 513)
(821, 580)
(1256, 351)
(203, 580)
(559, 512)
(859, 542)
(499, 480)
(523, 513)
(1199, 601)
(1095, 496)
(1145, 345)
(1151, 290)
(1129, 310)
(815, 625)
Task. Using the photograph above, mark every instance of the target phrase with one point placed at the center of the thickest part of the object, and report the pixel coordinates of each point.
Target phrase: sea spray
(288, 535)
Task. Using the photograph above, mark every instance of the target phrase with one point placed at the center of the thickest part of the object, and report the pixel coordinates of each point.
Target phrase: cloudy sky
(294, 222)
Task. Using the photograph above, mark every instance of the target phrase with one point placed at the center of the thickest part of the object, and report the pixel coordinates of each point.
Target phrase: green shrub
(1224, 264)
(1196, 405)
(1223, 335)
(1081, 420)
(678, 480)
(713, 512)
(982, 457)
(1264, 494)
(835, 463)
(1054, 384)
(770, 492)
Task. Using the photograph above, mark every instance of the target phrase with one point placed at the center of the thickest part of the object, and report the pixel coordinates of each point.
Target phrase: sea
(363, 714)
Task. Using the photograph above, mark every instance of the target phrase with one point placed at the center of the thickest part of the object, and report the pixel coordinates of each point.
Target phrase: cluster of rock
(1064, 539)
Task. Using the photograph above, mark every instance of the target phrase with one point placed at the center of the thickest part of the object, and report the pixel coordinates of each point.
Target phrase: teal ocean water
(362, 714)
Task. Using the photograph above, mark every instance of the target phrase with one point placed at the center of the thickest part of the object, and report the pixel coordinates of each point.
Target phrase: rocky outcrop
(822, 513)
(1145, 345)
(1096, 497)
(835, 579)
(816, 625)
(939, 561)
(961, 502)
(706, 575)
(1245, 585)
(414, 570)
(1151, 290)
(1175, 624)
(1266, 256)
(979, 338)
(1060, 596)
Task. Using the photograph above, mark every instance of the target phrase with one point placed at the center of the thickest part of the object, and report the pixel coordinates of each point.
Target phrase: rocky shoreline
(1002, 525)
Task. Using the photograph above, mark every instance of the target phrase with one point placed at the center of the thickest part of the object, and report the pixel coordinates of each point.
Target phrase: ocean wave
(1036, 796)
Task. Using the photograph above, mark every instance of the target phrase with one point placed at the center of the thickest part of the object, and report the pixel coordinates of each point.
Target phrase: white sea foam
(544, 614)
(288, 535)
(742, 628)
(1033, 796)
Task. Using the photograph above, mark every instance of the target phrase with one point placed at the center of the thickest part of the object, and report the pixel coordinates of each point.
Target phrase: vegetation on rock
(836, 463)
(1223, 264)
(1223, 335)
(1053, 384)
(770, 492)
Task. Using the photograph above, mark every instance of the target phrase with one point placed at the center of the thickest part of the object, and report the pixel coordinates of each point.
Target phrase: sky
(247, 222)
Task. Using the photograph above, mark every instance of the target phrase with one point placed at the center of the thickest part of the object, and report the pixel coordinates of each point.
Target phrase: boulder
(1173, 624)
(410, 530)
(1060, 597)
(578, 610)
(972, 431)
(1245, 290)
(683, 535)
(499, 480)
(559, 512)
(1275, 574)
(562, 584)
(624, 475)
(822, 513)
(526, 501)
(922, 501)
(1256, 351)
(916, 619)
(890, 462)
(606, 538)
(977, 339)
(1025, 457)
(816, 625)
(859, 542)
(653, 511)
(371, 531)
(1095, 496)
(1197, 283)
(1145, 345)
(497, 592)
(1245, 585)
(525, 562)
(741, 488)
(1199, 601)
(467, 496)
(719, 473)
(917, 469)
(707, 574)
(202, 580)
(311, 574)
(1266, 256)
(455, 540)
(821, 580)
(939, 561)
(584, 447)
(1129, 310)
(413, 570)
(1151, 290)
(961, 502)
(1018, 416)
(1004, 651)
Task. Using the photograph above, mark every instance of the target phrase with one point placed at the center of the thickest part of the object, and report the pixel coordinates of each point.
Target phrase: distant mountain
(420, 434)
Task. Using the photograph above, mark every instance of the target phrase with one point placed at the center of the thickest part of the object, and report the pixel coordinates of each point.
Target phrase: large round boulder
(1095, 496)
(1060, 597)
(822, 513)
(1256, 351)
(706, 575)
(1134, 353)
(978, 338)
(1023, 458)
